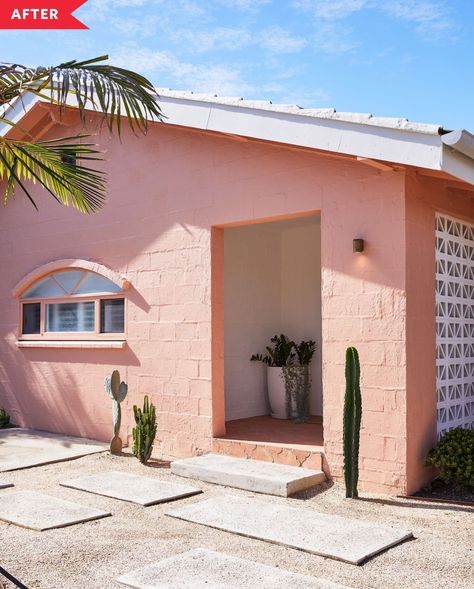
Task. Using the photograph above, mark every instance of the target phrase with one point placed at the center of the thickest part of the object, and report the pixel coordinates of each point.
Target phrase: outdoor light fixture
(358, 245)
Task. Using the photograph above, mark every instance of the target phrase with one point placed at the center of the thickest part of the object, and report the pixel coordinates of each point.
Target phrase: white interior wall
(301, 296)
(251, 311)
(272, 284)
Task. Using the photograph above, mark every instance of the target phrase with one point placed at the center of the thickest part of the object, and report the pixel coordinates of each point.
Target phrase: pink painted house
(228, 223)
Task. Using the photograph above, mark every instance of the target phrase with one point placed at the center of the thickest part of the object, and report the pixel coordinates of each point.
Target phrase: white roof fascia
(391, 140)
(16, 111)
(458, 164)
(458, 154)
(363, 140)
(460, 140)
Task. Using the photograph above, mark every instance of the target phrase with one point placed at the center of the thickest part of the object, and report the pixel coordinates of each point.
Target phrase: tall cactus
(117, 391)
(145, 431)
(352, 420)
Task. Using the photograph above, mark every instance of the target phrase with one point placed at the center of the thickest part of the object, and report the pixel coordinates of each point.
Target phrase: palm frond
(59, 166)
(111, 90)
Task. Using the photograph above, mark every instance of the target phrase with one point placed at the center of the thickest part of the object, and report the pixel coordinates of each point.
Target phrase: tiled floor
(277, 431)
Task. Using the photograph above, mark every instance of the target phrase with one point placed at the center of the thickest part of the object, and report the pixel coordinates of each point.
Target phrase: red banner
(40, 14)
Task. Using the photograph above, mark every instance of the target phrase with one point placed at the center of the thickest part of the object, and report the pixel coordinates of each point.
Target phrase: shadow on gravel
(152, 463)
(417, 504)
(313, 492)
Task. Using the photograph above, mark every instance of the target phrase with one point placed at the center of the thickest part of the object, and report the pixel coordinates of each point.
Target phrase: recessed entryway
(272, 285)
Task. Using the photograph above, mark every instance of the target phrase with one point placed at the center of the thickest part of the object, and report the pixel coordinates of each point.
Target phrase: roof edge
(461, 141)
(399, 123)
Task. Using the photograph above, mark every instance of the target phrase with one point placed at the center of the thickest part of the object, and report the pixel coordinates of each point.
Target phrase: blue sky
(411, 58)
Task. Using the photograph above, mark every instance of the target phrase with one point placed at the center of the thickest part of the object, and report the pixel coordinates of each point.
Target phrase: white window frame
(96, 298)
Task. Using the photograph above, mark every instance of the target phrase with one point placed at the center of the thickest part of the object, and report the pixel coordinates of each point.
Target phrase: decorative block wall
(454, 323)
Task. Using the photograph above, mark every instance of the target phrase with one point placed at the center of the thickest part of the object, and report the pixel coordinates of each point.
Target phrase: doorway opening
(272, 285)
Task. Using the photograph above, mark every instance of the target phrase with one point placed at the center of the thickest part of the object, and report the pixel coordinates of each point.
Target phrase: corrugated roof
(401, 124)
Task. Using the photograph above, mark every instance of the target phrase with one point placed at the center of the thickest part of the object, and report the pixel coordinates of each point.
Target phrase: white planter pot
(276, 392)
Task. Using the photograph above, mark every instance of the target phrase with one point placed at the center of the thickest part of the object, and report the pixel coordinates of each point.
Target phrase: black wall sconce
(358, 245)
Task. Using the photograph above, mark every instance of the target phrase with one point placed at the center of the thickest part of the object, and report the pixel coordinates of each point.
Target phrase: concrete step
(247, 474)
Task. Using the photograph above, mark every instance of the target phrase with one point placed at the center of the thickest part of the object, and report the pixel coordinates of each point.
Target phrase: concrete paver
(24, 448)
(131, 487)
(349, 540)
(206, 569)
(36, 511)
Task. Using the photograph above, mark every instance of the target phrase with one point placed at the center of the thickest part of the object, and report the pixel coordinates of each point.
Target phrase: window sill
(107, 344)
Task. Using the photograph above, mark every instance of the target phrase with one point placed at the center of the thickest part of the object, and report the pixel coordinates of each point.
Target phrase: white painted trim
(363, 140)
(107, 344)
(386, 139)
(19, 108)
(460, 140)
(457, 164)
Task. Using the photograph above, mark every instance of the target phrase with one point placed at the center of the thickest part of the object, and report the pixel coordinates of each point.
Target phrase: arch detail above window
(71, 276)
(72, 300)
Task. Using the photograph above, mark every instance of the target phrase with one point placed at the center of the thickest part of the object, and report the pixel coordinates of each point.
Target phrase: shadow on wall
(135, 298)
(155, 228)
(47, 396)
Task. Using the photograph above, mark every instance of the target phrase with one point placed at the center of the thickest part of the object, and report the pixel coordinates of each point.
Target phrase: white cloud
(247, 5)
(213, 78)
(333, 39)
(208, 40)
(105, 10)
(131, 2)
(430, 18)
(273, 39)
(135, 26)
(278, 40)
(218, 79)
(303, 97)
(331, 9)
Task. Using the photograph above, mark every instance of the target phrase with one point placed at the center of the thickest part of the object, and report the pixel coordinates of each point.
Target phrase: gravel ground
(439, 490)
(92, 555)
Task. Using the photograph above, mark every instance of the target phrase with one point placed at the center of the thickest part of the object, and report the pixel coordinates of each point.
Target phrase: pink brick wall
(363, 304)
(424, 198)
(170, 194)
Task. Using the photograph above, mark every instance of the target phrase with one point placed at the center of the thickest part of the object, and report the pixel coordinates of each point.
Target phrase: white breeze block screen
(454, 323)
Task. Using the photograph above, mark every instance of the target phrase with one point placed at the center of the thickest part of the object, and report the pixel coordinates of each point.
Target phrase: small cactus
(352, 420)
(145, 431)
(117, 391)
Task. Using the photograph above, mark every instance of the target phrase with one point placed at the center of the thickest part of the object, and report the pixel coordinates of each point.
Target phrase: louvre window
(70, 302)
(70, 317)
(112, 315)
(31, 317)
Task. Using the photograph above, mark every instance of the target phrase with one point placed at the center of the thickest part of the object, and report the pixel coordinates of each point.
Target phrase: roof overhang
(396, 141)
(404, 146)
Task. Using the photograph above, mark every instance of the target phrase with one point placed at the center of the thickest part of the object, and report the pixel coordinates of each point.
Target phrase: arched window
(73, 303)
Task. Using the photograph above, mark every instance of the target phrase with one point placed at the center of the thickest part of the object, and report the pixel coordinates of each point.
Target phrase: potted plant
(288, 377)
(297, 379)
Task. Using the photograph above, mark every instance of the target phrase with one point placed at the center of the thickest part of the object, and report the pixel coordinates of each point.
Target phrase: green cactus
(352, 420)
(117, 391)
(145, 431)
